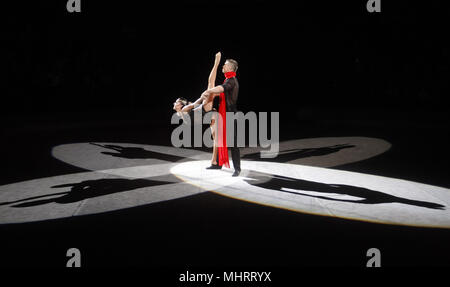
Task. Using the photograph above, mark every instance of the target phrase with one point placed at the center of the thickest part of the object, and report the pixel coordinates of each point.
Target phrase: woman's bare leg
(213, 74)
(213, 133)
(208, 105)
(214, 155)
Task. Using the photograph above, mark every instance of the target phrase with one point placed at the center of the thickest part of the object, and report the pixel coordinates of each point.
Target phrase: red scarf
(222, 149)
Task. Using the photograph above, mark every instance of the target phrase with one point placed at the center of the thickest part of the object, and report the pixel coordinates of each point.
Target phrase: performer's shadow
(293, 154)
(136, 153)
(87, 189)
(367, 196)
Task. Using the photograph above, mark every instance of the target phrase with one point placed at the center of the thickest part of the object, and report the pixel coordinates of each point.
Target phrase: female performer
(210, 103)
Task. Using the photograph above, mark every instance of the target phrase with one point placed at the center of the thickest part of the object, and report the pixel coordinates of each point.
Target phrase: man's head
(230, 66)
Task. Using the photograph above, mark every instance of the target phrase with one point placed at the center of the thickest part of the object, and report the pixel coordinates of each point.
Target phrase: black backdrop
(120, 60)
(133, 58)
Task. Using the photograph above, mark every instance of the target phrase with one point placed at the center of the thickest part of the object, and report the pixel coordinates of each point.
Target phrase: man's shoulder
(231, 82)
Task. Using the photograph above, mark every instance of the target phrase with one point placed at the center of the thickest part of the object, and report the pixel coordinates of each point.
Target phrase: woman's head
(179, 104)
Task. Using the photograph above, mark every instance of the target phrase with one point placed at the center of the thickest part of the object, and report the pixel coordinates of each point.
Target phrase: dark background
(133, 58)
(112, 72)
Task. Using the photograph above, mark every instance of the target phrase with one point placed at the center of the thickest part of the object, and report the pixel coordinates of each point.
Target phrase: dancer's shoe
(214, 166)
(236, 172)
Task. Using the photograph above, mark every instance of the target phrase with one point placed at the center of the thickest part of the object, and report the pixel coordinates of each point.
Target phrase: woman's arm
(189, 107)
(213, 74)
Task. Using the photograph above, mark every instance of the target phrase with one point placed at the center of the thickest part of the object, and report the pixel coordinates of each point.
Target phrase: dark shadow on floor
(277, 182)
(87, 189)
(293, 154)
(137, 153)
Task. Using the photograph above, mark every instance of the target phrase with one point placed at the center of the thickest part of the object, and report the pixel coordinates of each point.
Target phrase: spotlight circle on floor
(125, 175)
(87, 193)
(328, 192)
(323, 152)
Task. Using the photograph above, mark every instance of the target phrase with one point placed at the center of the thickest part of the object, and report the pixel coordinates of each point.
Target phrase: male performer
(229, 91)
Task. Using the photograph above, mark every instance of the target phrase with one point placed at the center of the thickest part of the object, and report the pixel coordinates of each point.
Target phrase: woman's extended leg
(207, 103)
(213, 74)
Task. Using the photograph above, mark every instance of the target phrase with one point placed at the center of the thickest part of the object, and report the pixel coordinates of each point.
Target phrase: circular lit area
(126, 175)
(328, 192)
(86, 193)
(323, 152)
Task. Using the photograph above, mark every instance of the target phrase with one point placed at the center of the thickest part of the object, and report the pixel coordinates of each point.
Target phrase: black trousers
(235, 153)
